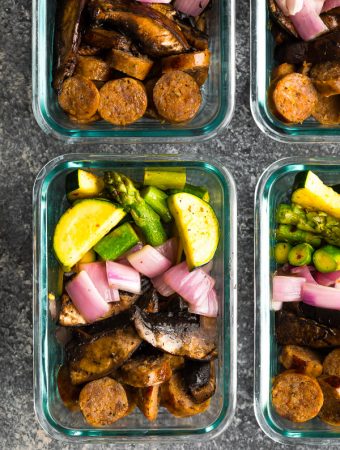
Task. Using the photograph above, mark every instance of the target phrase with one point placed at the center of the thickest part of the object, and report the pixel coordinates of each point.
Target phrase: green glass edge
(266, 205)
(226, 83)
(42, 321)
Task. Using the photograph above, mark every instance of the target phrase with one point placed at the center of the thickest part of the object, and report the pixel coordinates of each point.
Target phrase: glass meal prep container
(218, 92)
(262, 63)
(49, 201)
(272, 189)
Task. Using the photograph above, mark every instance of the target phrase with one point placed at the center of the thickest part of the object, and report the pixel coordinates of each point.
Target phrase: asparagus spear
(288, 233)
(123, 191)
(316, 222)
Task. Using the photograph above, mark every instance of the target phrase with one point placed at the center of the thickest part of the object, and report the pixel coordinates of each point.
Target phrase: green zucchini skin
(82, 184)
(194, 190)
(301, 179)
(116, 243)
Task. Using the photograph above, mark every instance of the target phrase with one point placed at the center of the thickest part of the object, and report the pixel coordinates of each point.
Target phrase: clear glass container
(273, 188)
(49, 202)
(262, 63)
(218, 92)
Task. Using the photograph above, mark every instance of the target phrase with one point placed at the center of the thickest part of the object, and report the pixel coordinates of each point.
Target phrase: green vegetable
(281, 251)
(323, 261)
(300, 255)
(81, 227)
(311, 193)
(165, 179)
(122, 189)
(317, 222)
(197, 226)
(288, 233)
(194, 190)
(157, 200)
(118, 242)
(81, 184)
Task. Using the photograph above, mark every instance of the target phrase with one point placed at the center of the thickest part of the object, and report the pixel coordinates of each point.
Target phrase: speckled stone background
(24, 148)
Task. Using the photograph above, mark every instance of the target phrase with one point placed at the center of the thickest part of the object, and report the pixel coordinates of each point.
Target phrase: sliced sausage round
(93, 68)
(294, 97)
(327, 110)
(301, 359)
(122, 101)
(331, 364)
(195, 64)
(134, 66)
(177, 96)
(103, 402)
(330, 411)
(296, 396)
(79, 97)
(326, 77)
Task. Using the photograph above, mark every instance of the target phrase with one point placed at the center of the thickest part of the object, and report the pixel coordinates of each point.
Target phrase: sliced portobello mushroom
(200, 379)
(196, 38)
(177, 333)
(281, 19)
(153, 32)
(101, 354)
(67, 39)
(106, 39)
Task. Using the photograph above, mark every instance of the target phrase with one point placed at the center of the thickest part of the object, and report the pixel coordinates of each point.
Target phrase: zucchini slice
(197, 226)
(313, 194)
(81, 184)
(82, 226)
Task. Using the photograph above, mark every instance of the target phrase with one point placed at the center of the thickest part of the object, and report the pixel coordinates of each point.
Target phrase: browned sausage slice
(333, 383)
(148, 401)
(103, 402)
(301, 359)
(296, 396)
(294, 97)
(281, 71)
(122, 101)
(330, 411)
(176, 399)
(92, 119)
(134, 66)
(93, 68)
(331, 364)
(177, 96)
(195, 64)
(79, 97)
(327, 110)
(326, 77)
(145, 370)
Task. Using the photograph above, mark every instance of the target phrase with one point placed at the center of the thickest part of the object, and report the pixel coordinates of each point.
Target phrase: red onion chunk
(123, 277)
(191, 7)
(277, 306)
(303, 271)
(192, 286)
(321, 296)
(209, 307)
(149, 262)
(307, 22)
(289, 7)
(287, 289)
(86, 297)
(169, 249)
(327, 279)
(329, 5)
(134, 249)
(154, 1)
(161, 287)
(97, 273)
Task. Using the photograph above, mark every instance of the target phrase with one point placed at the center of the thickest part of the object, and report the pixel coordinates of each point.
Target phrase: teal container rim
(40, 306)
(262, 296)
(261, 39)
(127, 136)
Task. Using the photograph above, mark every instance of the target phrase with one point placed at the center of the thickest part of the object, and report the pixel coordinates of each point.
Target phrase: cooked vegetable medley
(306, 82)
(120, 60)
(137, 303)
(306, 298)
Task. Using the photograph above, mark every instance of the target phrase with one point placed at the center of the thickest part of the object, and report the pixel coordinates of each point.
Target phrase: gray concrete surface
(24, 148)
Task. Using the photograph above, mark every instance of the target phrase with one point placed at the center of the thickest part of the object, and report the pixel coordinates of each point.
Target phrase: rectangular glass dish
(49, 201)
(272, 189)
(218, 92)
(262, 63)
